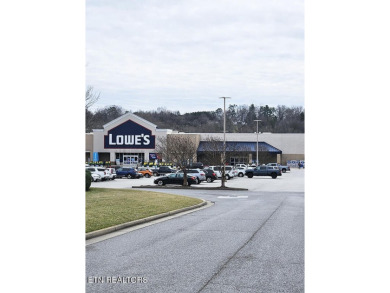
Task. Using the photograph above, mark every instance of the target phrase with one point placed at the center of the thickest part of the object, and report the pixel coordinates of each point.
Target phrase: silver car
(198, 173)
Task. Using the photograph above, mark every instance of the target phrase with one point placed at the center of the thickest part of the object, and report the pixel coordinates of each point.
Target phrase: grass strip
(106, 207)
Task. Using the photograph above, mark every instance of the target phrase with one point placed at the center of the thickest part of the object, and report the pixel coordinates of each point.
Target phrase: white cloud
(166, 53)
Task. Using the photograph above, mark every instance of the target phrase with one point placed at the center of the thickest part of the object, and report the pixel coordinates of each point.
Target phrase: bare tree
(180, 149)
(213, 154)
(90, 97)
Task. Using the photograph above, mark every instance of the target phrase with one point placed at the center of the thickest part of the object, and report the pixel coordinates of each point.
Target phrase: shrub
(88, 180)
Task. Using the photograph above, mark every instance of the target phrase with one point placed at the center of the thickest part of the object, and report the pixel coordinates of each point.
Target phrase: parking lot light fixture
(257, 144)
(224, 140)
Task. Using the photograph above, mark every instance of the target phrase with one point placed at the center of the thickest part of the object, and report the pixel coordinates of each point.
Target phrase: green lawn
(106, 207)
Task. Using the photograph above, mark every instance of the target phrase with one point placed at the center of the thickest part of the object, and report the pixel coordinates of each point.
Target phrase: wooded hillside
(239, 118)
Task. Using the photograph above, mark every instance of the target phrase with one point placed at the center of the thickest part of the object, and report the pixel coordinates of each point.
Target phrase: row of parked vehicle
(211, 173)
(167, 175)
(102, 173)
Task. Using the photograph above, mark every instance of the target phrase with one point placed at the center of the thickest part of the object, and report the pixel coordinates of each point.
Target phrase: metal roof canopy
(237, 146)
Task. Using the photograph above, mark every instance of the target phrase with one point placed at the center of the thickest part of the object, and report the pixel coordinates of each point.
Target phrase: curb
(189, 188)
(108, 230)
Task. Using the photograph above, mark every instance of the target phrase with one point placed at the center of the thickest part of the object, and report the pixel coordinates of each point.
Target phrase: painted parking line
(233, 197)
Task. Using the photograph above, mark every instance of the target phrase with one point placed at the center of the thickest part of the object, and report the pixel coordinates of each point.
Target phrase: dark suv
(162, 171)
(126, 172)
(210, 175)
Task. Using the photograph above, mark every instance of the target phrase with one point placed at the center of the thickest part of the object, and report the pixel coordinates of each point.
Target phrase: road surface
(248, 241)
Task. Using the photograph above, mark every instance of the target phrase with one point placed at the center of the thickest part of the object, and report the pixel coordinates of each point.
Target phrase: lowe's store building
(131, 140)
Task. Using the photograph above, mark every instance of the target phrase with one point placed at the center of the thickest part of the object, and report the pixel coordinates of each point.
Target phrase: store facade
(131, 140)
(127, 140)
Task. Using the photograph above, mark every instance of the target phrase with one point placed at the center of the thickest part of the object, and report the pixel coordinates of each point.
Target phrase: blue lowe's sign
(129, 135)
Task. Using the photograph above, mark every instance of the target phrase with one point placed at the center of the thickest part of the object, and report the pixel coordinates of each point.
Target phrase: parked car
(216, 170)
(111, 173)
(233, 171)
(100, 171)
(210, 175)
(174, 178)
(145, 172)
(241, 166)
(162, 171)
(264, 170)
(196, 165)
(282, 168)
(199, 174)
(241, 171)
(126, 172)
(95, 177)
(230, 172)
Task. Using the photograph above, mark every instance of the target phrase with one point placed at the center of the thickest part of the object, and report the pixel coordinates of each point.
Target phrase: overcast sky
(184, 55)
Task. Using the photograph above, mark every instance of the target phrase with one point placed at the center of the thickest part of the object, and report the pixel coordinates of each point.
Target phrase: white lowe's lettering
(129, 139)
(110, 142)
(119, 139)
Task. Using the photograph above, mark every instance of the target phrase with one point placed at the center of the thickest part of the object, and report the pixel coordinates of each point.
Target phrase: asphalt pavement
(248, 241)
(290, 182)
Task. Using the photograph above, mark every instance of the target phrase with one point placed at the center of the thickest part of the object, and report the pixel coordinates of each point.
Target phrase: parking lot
(292, 181)
(252, 240)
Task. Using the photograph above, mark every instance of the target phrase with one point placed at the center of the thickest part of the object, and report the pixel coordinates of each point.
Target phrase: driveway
(248, 241)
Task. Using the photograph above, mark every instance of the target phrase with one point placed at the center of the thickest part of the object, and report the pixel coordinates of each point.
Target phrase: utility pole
(257, 144)
(224, 140)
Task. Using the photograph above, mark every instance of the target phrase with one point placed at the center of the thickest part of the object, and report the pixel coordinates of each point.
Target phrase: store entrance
(238, 160)
(130, 160)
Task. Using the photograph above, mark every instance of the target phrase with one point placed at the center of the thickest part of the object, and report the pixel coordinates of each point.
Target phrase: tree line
(239, 118)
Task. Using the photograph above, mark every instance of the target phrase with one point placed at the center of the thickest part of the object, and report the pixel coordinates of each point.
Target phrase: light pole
(257, 144)
(224, 140)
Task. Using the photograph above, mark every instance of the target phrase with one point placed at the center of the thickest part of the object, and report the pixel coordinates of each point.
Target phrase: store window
(238, 160)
